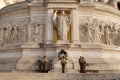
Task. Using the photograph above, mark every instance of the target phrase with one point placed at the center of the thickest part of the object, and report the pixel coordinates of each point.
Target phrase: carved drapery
(62, 25)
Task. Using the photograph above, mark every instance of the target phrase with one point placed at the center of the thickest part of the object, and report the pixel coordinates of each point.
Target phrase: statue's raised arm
(55, 18)
(61, 22)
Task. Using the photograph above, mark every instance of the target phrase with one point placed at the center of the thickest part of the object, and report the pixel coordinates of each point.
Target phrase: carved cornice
(61, 1)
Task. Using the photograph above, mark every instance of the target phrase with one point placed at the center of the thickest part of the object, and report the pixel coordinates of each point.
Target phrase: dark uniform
(39, 62)
(44, 63)
(63, 63)
(82, 64)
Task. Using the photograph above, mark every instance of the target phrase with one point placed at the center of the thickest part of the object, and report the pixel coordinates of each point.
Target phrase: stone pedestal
(62, 44)
(56, 65)
(31, 53)
(57, 68)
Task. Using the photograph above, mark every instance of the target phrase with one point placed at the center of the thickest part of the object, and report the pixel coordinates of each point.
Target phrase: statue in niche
(87, 30)
(39, 32)
(62, 23)
(31, 32)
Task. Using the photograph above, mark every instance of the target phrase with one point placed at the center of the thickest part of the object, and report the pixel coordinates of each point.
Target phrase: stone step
(58, 76)
(100, 60)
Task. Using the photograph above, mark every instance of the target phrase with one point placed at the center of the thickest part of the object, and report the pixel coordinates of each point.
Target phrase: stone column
(75, 27)
(49, 27)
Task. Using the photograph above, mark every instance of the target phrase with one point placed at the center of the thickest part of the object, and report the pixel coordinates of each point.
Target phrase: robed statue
(62, 23)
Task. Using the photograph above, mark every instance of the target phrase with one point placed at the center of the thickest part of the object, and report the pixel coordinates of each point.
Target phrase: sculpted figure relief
(31, 32)
(23, 30)
(118, 37)
(110, 2)
(114, 35)
(39, 33)
(1, 36)
(13, 33)
(62, 23)
(107, 36)
(99, 31)
(7, 33)
(95, 30)
(10, 33)
(36, 32)
(81, 31)
(86, 26)
(109, 33)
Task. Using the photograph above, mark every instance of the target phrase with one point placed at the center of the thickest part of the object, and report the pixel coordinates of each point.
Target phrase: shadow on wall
(118, 4)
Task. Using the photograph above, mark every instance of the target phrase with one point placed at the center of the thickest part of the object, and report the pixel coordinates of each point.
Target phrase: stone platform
(56, 76)
(28, 33)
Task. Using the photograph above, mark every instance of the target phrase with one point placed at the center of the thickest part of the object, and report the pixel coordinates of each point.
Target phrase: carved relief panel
(16, 33)
(100, 31)
(13, 33)
(36, 32)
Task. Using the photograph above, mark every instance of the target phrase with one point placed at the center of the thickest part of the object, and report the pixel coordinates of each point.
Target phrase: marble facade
(27, 29)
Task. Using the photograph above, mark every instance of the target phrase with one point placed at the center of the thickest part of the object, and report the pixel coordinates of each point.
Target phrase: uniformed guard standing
(63, 63)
